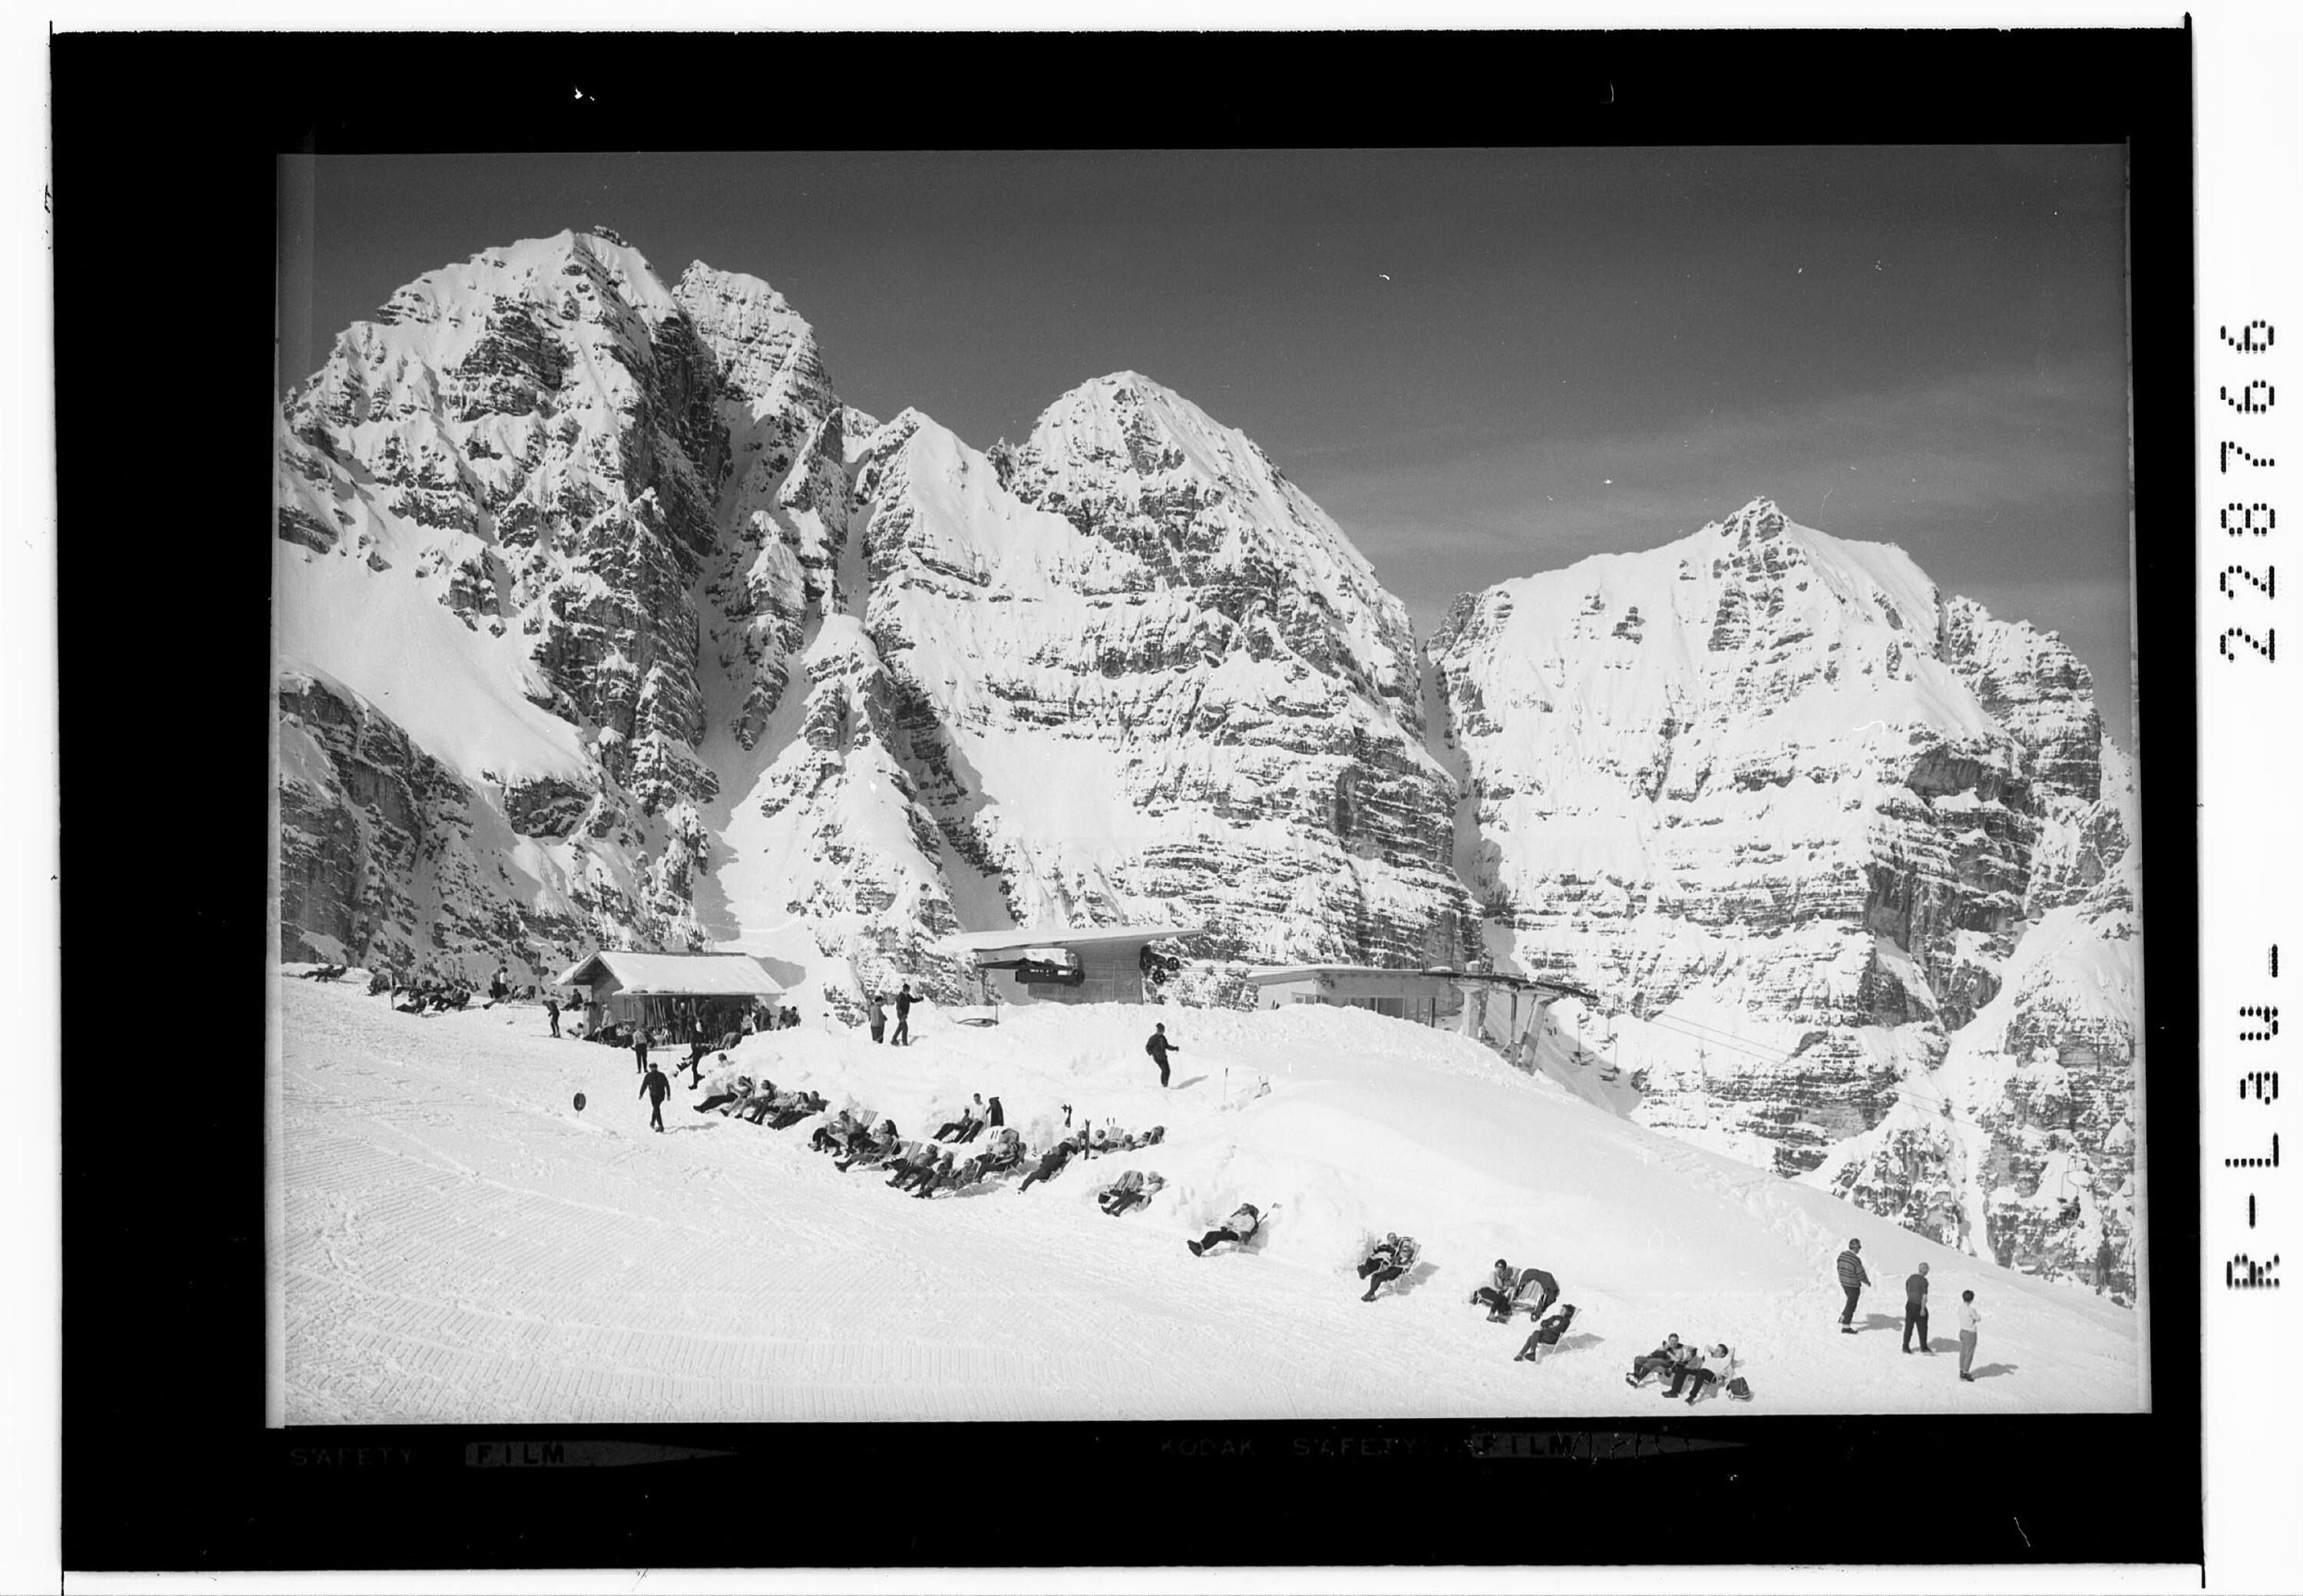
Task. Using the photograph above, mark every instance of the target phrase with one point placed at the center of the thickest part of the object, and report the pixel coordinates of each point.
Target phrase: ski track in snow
(460, 1245)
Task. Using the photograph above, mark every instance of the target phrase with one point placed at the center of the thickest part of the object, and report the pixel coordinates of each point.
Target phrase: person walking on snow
(1160, 1047)
(876, 1016)
(1915, 1310)
(1243, 1222)
(1970, 1325)
(1852, 1277)
(655, 1089)
(903, 1036)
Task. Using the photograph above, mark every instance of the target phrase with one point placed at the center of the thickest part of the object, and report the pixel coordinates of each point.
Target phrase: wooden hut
(670, 989)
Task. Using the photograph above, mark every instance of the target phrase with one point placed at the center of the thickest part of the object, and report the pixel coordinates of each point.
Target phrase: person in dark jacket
(1244, 1221)
(1160, 1047)
(1546, 1336)
(1915, 1310)
(1533, 1279)
(997, 1116)
(903, 1036)
(1852, 1277)
(1052, 1163)
(655, 1089)
(1657, 1363)
(551, 1013)
(1386, 1262)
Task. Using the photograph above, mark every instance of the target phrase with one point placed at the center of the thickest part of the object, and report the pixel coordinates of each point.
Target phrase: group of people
(1854, 1277)
(1507, 1288)
(1689, 1368)
(1387, 1261)
(875, 1014)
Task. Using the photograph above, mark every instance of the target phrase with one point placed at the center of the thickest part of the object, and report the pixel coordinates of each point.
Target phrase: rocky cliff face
(1814, 832)
(614, 557)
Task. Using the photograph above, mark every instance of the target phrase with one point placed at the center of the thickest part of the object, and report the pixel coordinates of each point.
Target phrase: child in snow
(1970, 1326)
(1655, 1362)
(1243, 1222)
(1546, 1336)
(1386, 1262)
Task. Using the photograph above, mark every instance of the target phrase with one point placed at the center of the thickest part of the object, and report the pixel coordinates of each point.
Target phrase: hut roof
(1062, 936)
(675, 975)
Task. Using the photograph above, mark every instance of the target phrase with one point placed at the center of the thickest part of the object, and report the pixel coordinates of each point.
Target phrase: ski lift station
(1458, 999)
(664, 988)
(1104, 964)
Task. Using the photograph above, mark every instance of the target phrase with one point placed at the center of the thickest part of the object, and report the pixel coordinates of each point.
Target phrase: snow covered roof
(682, 974)
(1061, 936)
(1300, 972)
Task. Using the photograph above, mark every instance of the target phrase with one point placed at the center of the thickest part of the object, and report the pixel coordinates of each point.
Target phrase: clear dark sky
(1483, 364)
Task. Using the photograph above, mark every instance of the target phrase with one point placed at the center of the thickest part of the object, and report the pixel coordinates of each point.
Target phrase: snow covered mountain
(1846, 861)
(603, 619)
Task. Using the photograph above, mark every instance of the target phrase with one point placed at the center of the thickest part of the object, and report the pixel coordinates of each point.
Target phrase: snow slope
(460, 1244)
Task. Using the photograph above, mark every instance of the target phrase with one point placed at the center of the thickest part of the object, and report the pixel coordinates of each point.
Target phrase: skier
(876, 1016)
(1655, 1362)
(1244, 1221)
(1160, 1047)
(551, 1013)
(1386, 1262)
(1546, 1336)
(655, 1089)
(1854, 1277)
(903, 1036)
(1915, 1310)
(1970, 1325)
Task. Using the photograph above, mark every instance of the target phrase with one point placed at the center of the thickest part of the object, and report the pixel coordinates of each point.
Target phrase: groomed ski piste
(457, 1242)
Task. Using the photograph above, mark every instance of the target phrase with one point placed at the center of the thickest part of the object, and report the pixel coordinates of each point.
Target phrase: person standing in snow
(655, 1089)
(1970, 1325)
(1244, 1221)
(903, 1036)
(1160, 1047)
(1915, 1310)
(1852, 1277)
(639, 1048)
(551, 1013)
(876, 1017)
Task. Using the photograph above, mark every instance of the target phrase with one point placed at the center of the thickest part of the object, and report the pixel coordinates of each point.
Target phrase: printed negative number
(2267, 583)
